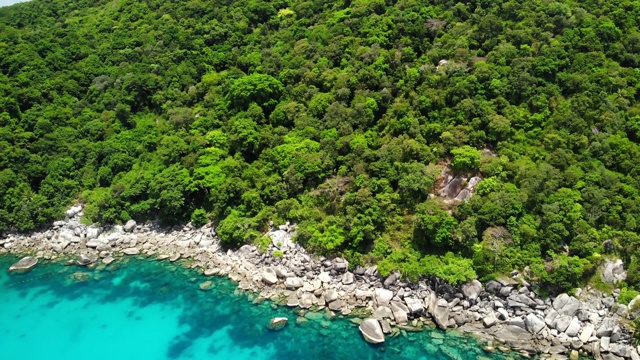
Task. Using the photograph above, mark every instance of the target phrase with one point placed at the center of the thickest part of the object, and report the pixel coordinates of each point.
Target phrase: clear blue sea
(145, 309)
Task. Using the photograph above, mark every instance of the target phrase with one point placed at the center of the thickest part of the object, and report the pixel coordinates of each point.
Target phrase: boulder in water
(372, 331)
(85, 259)
(25, 264)
(131, 251)
(207, 285)
(278, 323)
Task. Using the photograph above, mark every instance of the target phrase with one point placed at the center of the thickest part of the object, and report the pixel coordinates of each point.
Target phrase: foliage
(465, 158)
(626, 295)
(199, 217)
(262, 243)
(337, 116)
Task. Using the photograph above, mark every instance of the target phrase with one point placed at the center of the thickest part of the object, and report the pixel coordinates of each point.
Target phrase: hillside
(338, 116)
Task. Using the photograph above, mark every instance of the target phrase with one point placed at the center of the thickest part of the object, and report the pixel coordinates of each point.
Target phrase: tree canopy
(337, 116)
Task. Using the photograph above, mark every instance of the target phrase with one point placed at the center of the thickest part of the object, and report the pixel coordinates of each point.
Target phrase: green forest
(338, 116)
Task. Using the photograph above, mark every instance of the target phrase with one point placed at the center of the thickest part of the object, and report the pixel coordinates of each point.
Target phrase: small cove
(145, 309)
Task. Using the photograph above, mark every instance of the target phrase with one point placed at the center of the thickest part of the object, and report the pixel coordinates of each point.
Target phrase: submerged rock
(371, 331)
(206, 285)
(79, 277)
(25, 264)
(278, 323)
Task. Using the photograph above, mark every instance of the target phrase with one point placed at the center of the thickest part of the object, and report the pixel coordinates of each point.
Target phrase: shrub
(262, 243)
(199, 218)
(626, 295)
(465, 158)
(236, 230)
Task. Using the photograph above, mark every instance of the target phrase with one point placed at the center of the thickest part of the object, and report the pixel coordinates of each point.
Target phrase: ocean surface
(144, 309)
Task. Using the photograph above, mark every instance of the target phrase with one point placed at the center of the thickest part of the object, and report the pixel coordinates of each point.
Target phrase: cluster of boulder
(507, 313)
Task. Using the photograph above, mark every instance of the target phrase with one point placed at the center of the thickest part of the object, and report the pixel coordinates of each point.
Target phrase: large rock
(331, 295)
(493, 286)
(382, 312)
(324, 277)
(613, 272)
(292, 299)
(633, 309)
(92, 232)
(440, 314)
(94, 243)
(566, 305)
(606, 327)
(562, 322)
(23, 265)
(86, 258)
(280, 239)
(348, 278)
(533, 323)
(282, 272)
(472, 289)
(391, 279)
(550, 318)
(293, 283)
(503, 314)
(430, 301)
(131, 251)
(278, 323)
(372, 331)
(306, 300)
(586, 332)
(514, 336)
(453, 188)
(489, 320)
(574, 327)
(520, 300)
(337, 305)
(129, 226)
(269, 276)
(415, 305)
(340, 265)
(60, 245)
(464, 195)
(73, 211)
(400, 312)
(383, 296)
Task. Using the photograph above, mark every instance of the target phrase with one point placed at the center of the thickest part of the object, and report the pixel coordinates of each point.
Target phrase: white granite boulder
(372, 331)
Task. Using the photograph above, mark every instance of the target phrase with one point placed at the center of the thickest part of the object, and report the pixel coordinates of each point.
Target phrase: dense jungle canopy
(338, 116)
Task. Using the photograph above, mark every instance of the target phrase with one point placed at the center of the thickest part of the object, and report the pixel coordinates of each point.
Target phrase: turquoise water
(143, 309)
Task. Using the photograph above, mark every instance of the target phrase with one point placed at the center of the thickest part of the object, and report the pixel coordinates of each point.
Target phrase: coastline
(504, 315)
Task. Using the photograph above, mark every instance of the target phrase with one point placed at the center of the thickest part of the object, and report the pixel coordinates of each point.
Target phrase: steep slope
(334, 115)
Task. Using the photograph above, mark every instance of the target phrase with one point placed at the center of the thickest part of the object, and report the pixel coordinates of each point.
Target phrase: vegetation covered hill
(335, 115)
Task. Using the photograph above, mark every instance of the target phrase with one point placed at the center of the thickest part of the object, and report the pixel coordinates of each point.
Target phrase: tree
(465, 158)
(262, 89)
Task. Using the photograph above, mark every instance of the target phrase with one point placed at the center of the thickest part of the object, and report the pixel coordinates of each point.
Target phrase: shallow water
(143, 309)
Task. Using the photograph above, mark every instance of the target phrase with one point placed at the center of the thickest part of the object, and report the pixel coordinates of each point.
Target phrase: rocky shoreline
(506, 314)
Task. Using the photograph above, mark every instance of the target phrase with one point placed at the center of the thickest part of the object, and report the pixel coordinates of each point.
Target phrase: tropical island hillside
(347, 118)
